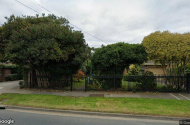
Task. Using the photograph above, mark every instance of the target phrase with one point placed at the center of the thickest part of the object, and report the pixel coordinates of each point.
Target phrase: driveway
(6, 87)
(13, 87)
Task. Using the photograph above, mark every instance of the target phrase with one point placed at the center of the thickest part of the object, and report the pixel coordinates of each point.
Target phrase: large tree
(15, 23)
(47, 45)
(170, 49)
(113, 59)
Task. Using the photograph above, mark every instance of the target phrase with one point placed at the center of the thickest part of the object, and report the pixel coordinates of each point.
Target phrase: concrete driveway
(6, 87)
(13, 87)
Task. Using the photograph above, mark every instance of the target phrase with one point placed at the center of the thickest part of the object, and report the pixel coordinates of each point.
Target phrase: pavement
(13, 87)
(28, 117)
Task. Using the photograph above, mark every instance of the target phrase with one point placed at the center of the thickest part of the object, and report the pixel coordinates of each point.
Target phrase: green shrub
(95, 86)
(110, 82)
(125, 77)
(147, 81)
(168, 89)
(134, 90)
(21, 84)
(12, 77)
(8, 66)
(131, 78)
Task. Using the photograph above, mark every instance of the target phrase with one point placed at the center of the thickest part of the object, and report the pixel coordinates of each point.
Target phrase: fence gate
(78, 83)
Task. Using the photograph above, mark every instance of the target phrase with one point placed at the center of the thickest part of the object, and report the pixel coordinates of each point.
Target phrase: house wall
(3, 73)
(157, 70)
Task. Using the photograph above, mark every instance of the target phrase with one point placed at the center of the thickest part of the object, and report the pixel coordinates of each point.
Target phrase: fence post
(188, 82)
(71, 83)
(85, 84)
(30, 80)
(114, 82)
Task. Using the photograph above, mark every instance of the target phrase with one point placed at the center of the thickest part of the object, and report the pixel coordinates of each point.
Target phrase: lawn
(132, 86)
(79, 84)
(145, 106)
(128, 85)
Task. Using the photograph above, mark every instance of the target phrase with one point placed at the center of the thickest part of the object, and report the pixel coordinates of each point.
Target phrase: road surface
(27, 117)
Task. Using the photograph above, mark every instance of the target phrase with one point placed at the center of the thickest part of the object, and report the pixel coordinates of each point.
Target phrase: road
(27, 117)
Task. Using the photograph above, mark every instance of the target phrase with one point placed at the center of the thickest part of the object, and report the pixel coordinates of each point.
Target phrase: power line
(27, 6)
(52, 13)
(73, 25)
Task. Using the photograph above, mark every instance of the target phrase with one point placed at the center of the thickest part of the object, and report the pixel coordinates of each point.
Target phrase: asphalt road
(26, 117)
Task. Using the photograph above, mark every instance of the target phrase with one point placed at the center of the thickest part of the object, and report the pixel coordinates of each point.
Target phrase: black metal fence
(138, 83)
(116, 83)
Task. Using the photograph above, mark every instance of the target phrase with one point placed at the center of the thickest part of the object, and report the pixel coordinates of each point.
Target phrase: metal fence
(116, 83)
(138, 83)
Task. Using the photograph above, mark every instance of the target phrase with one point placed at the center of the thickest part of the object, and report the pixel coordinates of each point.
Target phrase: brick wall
(3, 73)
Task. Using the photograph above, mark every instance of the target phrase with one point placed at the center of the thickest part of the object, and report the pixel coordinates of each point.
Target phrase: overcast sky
(110, 21)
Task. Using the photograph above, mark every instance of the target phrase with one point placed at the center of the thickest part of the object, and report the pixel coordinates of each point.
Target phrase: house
(156, 68)
(5, 70)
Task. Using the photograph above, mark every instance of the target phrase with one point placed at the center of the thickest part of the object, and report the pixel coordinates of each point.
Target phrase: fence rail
(116, 82)
(138, 83)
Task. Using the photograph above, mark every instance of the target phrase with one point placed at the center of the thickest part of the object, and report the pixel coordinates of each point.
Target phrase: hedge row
(12, 77)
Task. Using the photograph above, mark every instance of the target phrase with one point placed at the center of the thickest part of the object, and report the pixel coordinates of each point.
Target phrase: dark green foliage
(15, 69)
(134, 70)
(17, 23)
(21, 84)
(113, 59)
(111, 83)
(131, 78)
(12, 77)
(8, 66)
(147, 81)
(125, 77)
(46, 45)
(168, 89)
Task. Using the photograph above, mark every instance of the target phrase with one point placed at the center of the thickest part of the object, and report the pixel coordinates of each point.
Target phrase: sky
(110, 21)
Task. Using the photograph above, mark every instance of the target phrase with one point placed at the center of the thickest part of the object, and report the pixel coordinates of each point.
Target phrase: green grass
(164, 107)
(132, 86)
(128, 85)
(79, 84)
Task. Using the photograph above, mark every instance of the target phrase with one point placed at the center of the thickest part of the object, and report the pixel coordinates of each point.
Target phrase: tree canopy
(113, 59)
(172, 49)
(44, 44)
(16, 23)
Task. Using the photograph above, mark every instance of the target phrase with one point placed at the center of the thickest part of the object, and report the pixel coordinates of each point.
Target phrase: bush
(133, 74)
(79, 75)
(147, 82)
(110, 82)
(21, 84)
(12, 77)
(168, 89)
(125, 77)
(94, 86)
(8, 66)
(131, 78)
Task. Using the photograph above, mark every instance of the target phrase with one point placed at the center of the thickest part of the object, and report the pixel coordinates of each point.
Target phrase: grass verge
(144, 106)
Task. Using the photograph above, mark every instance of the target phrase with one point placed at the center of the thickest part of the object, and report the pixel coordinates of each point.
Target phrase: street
(26, 117)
